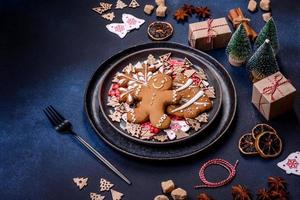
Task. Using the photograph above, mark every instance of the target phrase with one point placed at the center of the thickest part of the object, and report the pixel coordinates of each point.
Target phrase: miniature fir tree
(239, 47)
(263, 62)
(269, 31)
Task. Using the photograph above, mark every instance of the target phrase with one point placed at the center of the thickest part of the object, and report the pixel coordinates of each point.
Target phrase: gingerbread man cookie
(193, 99)
(152, 99)
(131, 77)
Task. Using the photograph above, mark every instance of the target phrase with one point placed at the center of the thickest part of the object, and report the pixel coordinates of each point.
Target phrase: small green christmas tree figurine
(269, 31)
(239, 47)
(263, 62)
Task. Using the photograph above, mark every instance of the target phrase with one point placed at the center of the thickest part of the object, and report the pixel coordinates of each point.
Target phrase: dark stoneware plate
(109, 68)
(225, 104)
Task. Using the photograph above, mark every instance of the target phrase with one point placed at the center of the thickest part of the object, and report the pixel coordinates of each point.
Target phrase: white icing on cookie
(186, 85)
(190, 102)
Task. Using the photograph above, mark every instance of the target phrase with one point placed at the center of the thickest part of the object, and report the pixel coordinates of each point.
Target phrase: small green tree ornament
(239, 47)
(263, 62)
(269, 31)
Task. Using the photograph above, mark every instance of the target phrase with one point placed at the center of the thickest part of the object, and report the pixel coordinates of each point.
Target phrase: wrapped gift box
(210, 34)
(273, 95)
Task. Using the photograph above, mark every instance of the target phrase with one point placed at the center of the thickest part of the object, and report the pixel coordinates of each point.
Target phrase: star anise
(277, 183)
(263, 194)
(202, 12)
(188, 8)
(279, 195)
(180, 15)
(203, 196)
(240, 193)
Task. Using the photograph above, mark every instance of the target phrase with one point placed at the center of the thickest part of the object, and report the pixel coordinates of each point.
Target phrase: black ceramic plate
(110, 68)
(200, 142)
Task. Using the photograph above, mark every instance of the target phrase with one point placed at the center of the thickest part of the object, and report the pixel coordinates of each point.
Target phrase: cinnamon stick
(236, 16)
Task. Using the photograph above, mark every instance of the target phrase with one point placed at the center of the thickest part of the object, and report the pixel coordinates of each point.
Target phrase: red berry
(156, 130)
(178, 118)
(115, 86)
(113, 93)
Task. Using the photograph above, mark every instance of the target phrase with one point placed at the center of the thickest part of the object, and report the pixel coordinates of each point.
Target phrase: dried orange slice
(247, 145)
(260, 128)
(268, 144)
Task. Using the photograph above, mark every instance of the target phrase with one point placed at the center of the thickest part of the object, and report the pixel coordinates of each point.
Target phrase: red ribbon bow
(270, 90)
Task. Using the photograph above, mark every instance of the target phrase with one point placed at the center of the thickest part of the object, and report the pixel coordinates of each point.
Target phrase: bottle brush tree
(269, 31)
(263, 62)
(239, 47)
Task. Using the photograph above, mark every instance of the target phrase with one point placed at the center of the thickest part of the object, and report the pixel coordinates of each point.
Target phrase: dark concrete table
(49, 50)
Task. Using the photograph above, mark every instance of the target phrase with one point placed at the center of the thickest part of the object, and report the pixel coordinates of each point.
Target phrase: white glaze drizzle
(186, 85)
(190, 102)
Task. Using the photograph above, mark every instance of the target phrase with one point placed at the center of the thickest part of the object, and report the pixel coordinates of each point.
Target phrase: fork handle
(101, 158)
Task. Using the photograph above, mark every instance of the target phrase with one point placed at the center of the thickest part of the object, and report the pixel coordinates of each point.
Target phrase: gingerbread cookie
(153, 99)
(194, 101)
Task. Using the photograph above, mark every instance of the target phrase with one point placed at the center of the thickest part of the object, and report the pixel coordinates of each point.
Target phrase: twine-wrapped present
(236, 16)
(273, 95)
(210, 34)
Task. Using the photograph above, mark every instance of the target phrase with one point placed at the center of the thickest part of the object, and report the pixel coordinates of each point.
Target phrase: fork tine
(59, 116)
(49, 117)
(53, 116)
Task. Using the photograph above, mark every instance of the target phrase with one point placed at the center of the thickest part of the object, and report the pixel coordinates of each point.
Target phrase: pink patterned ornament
(130, 22)
(291, 164)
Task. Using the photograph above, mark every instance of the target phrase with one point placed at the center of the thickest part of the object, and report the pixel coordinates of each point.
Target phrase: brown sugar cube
(161, 11)
(167, 186)
(267, 16)
(179, 194)
(161, 197)
(160, 2)
(252, 5)
(148, 9)
(265, 5)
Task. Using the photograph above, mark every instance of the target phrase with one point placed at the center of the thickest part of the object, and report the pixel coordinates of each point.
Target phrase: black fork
(64, 126)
